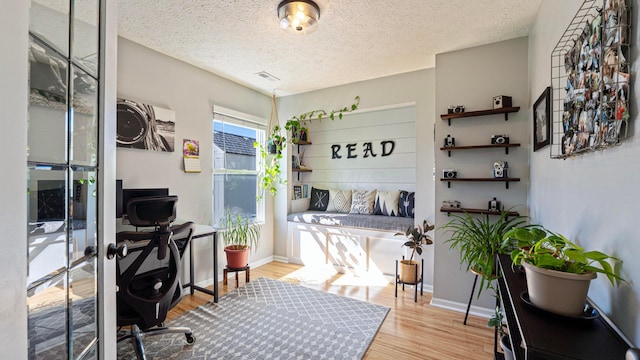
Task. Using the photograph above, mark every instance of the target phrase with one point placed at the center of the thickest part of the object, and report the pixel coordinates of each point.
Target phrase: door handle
(119, 250)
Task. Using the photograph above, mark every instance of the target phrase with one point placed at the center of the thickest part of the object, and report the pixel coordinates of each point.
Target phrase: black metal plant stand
(418, 281)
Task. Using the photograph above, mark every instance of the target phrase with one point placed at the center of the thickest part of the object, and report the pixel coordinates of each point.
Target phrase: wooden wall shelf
(505, 180)
(465, 114)
(477, 211)
(298, 170)
(474, 147)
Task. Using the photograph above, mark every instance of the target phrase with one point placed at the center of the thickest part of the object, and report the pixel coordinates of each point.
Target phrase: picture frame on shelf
(542, 120)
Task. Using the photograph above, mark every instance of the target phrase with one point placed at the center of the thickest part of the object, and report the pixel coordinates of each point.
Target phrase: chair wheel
(190, 338)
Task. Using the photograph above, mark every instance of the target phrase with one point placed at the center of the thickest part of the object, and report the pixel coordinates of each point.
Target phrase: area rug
(270, 319)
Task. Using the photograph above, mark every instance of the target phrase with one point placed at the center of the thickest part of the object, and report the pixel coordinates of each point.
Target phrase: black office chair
(148, 276)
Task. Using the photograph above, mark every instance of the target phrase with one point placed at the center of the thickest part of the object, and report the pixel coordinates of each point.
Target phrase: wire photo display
(590, 75)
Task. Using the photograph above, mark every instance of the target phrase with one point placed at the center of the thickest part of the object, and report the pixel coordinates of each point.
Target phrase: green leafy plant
(239, 232)
(479, 240)
(545, 249)
(271, 175)
(417, 237)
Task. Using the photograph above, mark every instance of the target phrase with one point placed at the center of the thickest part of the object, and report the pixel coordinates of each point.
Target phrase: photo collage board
(595, 108)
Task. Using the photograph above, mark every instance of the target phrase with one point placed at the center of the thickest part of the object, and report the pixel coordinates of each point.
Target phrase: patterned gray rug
(270, 319)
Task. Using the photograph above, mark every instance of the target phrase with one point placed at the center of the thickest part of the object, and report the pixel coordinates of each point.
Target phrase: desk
(545, 336)
(203, 231)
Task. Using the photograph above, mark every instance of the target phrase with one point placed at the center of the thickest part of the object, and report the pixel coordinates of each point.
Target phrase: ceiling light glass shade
(298, 17)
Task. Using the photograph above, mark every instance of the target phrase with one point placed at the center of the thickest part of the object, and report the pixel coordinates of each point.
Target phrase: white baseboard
(461, 307)
(282, 259)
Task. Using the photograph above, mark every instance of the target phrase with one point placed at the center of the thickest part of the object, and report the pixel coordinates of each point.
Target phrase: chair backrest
(156, 211)
(149, 285)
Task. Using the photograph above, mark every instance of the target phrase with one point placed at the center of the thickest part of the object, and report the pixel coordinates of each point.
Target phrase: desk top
(201, 230)
(204, 230)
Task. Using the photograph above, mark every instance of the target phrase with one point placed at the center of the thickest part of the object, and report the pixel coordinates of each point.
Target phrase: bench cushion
(372, 222)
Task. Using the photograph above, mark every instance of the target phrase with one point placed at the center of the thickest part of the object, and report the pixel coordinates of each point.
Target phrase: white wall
(593, 198)
(387, 173)
(472, 77)
(14, 25)
(417, 87)
(156, 79)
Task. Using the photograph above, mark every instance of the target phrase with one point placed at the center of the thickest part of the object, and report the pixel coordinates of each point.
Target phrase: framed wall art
(541, 120)
(144, 126)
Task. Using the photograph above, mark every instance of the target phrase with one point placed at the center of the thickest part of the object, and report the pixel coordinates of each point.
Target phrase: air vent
(266, 75)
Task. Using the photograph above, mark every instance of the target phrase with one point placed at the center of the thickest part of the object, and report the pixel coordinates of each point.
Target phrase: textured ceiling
(356, 39)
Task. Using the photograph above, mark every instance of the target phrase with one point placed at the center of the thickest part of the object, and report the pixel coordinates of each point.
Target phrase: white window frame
(238, 118)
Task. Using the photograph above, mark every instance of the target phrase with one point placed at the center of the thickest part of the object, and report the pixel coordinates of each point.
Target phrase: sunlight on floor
(346, 282)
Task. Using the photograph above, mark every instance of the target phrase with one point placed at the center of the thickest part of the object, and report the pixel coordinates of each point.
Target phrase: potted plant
(505, 342)
(271, 151)
(240, 236)
(479, 240)
(416, 238)
(558, 271)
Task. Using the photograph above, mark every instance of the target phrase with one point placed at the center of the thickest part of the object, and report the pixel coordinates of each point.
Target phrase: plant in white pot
(416, 238)
(558, 271)
(240, 236)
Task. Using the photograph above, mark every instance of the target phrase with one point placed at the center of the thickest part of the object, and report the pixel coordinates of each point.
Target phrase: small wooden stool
(227, 269)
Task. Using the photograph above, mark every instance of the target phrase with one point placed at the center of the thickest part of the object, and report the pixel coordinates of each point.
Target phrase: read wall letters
(386, 149)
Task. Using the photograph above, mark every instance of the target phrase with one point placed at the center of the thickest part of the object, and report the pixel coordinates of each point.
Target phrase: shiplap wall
(396, 171)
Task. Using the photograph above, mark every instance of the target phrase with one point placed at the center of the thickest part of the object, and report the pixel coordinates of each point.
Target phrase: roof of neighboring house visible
(234, 144)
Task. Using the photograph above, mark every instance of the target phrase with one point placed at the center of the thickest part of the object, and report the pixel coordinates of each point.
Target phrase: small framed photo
(542, 120)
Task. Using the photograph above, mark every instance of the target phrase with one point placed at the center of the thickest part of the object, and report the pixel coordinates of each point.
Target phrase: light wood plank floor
(410, 331)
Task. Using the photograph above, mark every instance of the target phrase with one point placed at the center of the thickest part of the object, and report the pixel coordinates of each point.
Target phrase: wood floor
(410, 331)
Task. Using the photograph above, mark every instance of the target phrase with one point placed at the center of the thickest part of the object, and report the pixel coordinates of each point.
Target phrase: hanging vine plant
(271, 150)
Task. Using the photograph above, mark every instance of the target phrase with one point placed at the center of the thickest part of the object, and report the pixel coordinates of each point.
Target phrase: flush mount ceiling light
(298, 16)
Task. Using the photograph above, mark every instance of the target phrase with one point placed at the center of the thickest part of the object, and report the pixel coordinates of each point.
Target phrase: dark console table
(538, 335)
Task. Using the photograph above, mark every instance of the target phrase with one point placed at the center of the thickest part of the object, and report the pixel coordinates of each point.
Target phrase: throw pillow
(387, 203)
(362, 201)
(407, 203)
(339, 200)
(319, 199)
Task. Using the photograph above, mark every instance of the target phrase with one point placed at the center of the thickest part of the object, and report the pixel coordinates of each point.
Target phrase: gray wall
(14, 25)
(418, 87)
(472, 77)
(156, 79)
(593, 198)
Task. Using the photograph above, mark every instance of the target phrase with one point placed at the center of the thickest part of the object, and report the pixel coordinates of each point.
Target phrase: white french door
(69, 190)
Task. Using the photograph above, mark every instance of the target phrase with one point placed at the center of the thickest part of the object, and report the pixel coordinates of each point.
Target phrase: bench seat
(350, 242)
(362, 221)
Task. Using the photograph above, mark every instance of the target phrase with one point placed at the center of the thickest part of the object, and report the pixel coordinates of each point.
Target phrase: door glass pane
(47, 105)
(84, 206)
(85, 35)
(83, 306)
(47, 304)
(47, 219)
(49, 20)
(84, 119)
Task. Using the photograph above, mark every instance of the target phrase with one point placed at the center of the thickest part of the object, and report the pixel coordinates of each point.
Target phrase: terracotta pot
(237, 256)
(556, 291)
(407, 269)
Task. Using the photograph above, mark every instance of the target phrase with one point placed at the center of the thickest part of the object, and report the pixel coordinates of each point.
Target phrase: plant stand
(227, 269)
(419, 281)
(473, 290)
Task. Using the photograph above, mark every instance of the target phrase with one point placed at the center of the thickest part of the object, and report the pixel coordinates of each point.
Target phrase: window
(236, 164)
